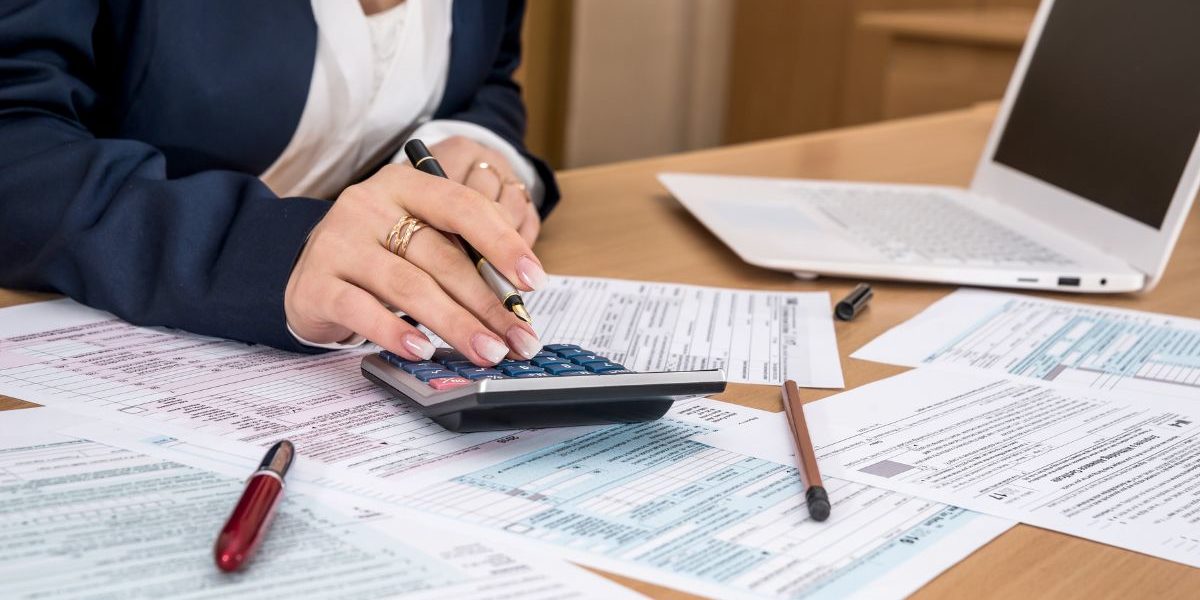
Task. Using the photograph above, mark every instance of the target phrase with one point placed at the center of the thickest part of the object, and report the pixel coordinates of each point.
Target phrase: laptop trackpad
(775, 230)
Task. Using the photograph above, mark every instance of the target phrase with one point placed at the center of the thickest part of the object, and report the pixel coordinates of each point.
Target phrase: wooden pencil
(814, 494)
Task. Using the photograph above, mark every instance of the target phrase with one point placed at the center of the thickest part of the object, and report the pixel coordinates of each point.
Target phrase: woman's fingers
(532, 225)
(407, 287)
(455, 208)
(345, 276)
(484, 181)
(362, 313)
(520, 212)
(433, 253)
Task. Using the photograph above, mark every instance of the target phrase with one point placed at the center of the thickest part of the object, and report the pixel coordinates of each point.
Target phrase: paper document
(644, 501)
(755, 336)
(1120, 468)
(1075, 344)
(81, 518)
(69, 356)
(768, 438)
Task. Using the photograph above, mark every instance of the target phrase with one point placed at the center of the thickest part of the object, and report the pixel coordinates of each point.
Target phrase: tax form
(644, 511)
(755, 336)
(1074, 344)
(82, 518)
(649, 503)
(1122, 468)
(645, 501)
(65, 355)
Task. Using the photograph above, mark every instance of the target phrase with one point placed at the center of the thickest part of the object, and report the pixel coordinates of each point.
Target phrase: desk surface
(617, 221)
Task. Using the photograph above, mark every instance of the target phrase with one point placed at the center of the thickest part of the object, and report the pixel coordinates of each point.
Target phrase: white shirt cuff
(432, 132)
(353, 341)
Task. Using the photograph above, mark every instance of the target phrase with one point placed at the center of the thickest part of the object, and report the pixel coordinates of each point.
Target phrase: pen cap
(278, 458)
(420, 157)
(854, 302)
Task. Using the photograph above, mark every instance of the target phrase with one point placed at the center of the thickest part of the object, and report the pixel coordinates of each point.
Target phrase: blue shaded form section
(968, 332)
(612, 458)
(590, 488)
(1114, 344)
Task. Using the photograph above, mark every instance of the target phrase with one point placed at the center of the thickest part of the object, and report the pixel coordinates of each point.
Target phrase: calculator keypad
(449, 369)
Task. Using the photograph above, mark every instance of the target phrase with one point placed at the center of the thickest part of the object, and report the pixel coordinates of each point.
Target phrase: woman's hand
(460, 158)
(345, 279)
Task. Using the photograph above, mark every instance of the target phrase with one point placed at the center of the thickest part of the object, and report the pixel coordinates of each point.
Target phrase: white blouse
(375, 77)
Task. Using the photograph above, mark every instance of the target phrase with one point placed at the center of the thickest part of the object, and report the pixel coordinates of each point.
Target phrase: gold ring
(513, 181)
(490, 168)
(401, 235)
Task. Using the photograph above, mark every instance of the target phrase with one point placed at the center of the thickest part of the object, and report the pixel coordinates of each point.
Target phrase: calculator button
(414, 367)
(584, 359)
(444, 355)
(568, 353)
(542, 361)
(601, 367)
(545, 354)
(508, 362)
(459, 365)
(560, 347)
(394, 360)
(448, 383)
(528, 374)
(431, 374)
(561, 368)
(514, 370)
(478, 372)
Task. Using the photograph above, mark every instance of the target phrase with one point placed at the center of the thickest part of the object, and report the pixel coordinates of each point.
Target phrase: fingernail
(523, 342)
(419, 346)
(489, 348)
(531, 273)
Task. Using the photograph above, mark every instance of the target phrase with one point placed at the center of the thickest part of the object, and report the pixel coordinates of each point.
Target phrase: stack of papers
(1027, 409)
(645, 500)
(1066, 416)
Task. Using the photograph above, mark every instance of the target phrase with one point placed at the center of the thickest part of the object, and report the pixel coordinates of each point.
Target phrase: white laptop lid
(1099, 132)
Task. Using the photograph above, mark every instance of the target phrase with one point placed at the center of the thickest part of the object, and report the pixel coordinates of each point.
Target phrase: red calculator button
(447, 383)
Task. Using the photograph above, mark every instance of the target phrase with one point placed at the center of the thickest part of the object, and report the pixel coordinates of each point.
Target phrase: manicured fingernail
(489, 348)
(419, 346)
(531, 273)
(523, 342)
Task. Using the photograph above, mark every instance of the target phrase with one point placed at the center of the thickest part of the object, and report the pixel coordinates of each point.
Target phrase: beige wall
(645, 78)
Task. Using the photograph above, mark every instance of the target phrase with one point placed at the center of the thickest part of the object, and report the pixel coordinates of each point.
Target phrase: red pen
(250, 518)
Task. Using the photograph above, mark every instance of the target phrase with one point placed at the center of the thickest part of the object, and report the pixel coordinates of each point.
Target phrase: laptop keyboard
(448, 369)
(926, 227)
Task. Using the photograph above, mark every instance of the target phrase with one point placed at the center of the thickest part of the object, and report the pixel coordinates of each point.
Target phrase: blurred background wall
(608, 80)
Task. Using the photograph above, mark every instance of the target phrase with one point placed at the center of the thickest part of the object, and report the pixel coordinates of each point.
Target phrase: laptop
(1089, 172)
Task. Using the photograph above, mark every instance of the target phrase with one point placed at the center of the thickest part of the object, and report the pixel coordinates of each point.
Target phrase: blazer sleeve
(497, 105)
(98, 219)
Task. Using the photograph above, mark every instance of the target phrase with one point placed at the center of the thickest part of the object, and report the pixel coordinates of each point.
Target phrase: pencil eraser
(818, 503)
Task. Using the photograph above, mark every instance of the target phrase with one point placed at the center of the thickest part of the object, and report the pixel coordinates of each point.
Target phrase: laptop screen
(1110, 105)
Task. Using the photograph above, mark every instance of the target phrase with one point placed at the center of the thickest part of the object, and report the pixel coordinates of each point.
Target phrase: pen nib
(519, 310)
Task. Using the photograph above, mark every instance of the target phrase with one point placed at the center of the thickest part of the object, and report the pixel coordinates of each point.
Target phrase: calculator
(562, 385)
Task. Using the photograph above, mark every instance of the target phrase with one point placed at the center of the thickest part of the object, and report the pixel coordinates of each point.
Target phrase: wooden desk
(617, 221)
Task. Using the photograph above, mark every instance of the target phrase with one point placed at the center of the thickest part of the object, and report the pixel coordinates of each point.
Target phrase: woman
(173, 162)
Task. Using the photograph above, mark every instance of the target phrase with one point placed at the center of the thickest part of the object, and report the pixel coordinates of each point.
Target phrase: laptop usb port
(1068, 281)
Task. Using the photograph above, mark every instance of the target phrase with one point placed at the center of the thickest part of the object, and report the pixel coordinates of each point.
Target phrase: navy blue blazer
(132, 133)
